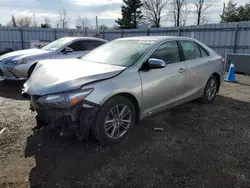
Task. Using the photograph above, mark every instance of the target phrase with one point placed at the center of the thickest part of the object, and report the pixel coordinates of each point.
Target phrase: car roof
(155, 38)
(84, 38)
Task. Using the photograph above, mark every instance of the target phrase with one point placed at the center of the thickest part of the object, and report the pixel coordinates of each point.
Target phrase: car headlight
(65, 99)
(17, 62)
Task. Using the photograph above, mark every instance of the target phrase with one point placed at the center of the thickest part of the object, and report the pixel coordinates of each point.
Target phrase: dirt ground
(202, 145)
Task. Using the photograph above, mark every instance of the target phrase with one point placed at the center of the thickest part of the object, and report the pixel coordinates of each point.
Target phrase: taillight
(223, 61)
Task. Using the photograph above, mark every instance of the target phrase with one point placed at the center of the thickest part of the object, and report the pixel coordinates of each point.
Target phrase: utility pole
(97, 28)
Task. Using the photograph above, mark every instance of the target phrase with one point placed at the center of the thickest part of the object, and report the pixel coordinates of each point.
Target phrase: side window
(94, 44)
(168, 52)
(190, 49)
(204, 53)
(78, 46)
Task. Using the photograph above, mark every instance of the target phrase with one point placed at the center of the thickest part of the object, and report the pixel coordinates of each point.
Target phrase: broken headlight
(64, 100)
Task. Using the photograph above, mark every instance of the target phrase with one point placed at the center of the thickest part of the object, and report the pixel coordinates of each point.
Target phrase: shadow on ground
(202, 145)
(11, 89)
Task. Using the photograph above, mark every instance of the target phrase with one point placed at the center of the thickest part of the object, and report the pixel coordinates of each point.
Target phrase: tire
(31, 70)
(101, 128)
(206, 97)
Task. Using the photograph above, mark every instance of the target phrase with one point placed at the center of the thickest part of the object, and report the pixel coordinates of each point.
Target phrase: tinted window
(168, 52)
(204, 53)
(78, 46)
(190, 49)
(94, 44)
(57, 44)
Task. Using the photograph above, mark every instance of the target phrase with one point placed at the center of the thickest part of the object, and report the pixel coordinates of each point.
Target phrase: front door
(80, 48)
(162, 87)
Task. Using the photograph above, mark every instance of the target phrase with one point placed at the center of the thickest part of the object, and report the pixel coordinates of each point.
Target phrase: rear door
(197, 62)
(162, 87)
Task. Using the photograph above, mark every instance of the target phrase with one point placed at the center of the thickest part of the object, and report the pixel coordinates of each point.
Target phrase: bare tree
(81, 22)
(34, 19)
(201, 6)
(46, 23)
(153, 10)
(184, 14)
(24, 21)
(63, 18)
(13, 21)
(103, 27)
(180, 12)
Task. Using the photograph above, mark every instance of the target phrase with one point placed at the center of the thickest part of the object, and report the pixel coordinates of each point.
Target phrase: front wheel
(116, 120)
(210, 90)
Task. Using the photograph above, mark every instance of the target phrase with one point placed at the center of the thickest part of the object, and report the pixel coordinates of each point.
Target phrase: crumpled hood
(54, 76)
(15, 54)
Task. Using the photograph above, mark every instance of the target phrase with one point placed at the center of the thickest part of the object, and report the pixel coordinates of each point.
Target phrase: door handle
(181, 70)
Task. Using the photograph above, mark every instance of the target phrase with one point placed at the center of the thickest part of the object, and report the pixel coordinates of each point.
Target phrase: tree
(244, 12)
(103, 27)
(131, 14)
(63, 18)
(12, 22)
(46, 23)
(180, 16)
(34, 20)
(232, 13)
(81, 22)
(153, 10)
(200, 8)
(24, 21)
(229, 12)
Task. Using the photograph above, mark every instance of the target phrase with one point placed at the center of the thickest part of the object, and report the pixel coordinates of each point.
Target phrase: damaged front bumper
(78, 118)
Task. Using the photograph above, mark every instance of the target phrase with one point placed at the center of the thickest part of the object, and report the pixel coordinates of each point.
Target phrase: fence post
(103, 34)
(179, 31)
(235, 37)
(55, 33)
(148, 32)
(122, 33)
(85, 32)
(21, 33)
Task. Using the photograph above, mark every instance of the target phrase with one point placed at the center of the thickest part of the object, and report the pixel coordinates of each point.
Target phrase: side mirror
(67, 50)
(156, 63)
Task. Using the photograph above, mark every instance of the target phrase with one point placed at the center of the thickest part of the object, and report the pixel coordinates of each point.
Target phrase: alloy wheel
(118, 121)
(211, 89)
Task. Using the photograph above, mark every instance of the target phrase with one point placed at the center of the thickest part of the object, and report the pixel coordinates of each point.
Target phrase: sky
(106, 10)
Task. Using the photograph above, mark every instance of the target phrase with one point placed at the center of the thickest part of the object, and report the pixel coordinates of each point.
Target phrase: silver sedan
(125, 80)
(20, 64)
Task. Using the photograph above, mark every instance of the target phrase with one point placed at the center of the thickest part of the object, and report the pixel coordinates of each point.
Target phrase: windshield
(53, 46)
(119, 52)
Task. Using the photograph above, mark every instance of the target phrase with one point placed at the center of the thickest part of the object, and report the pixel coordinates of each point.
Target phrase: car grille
(1, 73)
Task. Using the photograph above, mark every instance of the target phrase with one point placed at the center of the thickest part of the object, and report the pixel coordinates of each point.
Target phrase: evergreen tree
(232, 13)
(131, 14)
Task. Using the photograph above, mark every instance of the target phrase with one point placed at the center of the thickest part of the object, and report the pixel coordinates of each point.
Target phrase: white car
(20, 64)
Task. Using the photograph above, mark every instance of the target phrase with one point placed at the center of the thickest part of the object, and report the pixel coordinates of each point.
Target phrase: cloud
(106, 10)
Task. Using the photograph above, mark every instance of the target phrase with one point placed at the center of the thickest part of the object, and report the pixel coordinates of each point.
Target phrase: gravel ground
(202, 145)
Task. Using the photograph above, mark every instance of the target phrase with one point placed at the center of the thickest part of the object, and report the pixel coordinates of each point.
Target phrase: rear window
(204, 53)
(191, 50)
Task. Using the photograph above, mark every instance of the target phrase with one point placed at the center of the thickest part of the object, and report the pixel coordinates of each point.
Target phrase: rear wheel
(210, 90)
(116, 120)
